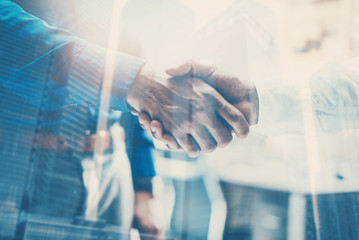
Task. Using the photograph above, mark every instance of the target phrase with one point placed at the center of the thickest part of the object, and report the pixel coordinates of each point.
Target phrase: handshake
(193, 107)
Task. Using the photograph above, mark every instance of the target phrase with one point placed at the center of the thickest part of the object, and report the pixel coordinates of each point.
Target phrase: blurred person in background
(114, 193)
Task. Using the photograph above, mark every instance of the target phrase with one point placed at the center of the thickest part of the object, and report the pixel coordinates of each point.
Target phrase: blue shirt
(32, 53)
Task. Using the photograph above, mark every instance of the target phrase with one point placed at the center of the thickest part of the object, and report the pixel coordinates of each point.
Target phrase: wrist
(134, 96)
(141, 197)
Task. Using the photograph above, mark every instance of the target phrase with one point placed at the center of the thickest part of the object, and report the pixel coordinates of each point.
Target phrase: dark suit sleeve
(139, 147)
(32, 53)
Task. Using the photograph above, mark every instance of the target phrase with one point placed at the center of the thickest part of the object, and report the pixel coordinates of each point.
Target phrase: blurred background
(265, 187)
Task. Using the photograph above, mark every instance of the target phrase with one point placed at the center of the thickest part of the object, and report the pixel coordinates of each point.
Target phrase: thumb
(181, 70)
(193, 68)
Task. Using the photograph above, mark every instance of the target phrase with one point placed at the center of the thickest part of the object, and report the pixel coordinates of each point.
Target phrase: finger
(144, 119)
(171, 142)
(205, 141)
(134, 112)
(181, 70)
(157, 130)
(189, 145)
(192, 68)
(148, 231)
(221, 133)
(250, 111)
(232, 116)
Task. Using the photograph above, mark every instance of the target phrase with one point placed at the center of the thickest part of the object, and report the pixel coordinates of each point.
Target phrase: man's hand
(242, 95)
(195, 114)
(237, 92)
(145, 220)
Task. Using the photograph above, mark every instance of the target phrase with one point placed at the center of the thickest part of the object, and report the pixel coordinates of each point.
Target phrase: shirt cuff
(280, 110)
(263, 106)
(143, 185)
(89, 67)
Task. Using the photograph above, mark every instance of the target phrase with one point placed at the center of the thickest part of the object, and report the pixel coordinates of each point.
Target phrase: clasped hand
(190, 108)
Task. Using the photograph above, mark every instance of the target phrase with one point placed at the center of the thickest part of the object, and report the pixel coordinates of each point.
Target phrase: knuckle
(235, 117)
(209, 93)
(244, 130)
(240, 124)
(190, 63)
(191, 150)
(209, 119)
(193, 154)
(211, 123)
(209, 147)
(197, 108)
(227, 139)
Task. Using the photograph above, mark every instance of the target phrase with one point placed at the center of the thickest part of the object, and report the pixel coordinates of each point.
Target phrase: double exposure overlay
(179, 119)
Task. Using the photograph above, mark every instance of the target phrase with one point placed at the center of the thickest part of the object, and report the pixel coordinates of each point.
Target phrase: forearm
(25, 37)
(280, 111)
(33, 53)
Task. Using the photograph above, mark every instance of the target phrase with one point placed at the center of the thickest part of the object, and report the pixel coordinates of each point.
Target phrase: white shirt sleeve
(331, 102)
